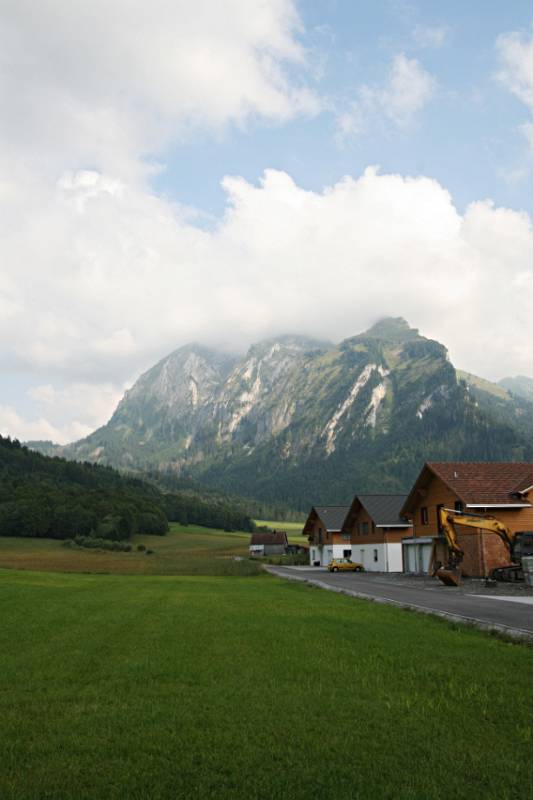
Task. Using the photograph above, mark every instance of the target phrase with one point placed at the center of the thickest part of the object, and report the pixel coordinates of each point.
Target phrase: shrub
(141, 548)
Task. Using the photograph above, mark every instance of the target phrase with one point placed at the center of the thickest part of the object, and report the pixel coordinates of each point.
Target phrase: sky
(229, 170)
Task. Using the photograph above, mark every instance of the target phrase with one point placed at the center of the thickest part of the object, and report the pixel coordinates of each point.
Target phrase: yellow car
(345, 565)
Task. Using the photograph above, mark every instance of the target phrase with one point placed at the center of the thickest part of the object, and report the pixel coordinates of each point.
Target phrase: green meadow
(221, 685)
(186, 550)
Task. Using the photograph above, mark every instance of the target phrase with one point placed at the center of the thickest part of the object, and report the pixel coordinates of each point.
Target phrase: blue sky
(228, 170)
(466, 136)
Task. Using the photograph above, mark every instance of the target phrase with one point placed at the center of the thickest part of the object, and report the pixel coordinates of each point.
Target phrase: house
(268, 543)
(500, 489)
(376, 529)
(325, 534)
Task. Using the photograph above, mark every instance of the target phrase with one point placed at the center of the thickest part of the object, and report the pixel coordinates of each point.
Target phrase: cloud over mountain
(101, 276)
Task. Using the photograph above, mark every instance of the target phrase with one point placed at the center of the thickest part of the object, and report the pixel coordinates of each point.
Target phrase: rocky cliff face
(300, 421)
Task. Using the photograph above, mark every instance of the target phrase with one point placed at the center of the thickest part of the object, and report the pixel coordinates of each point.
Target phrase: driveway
(506, 608)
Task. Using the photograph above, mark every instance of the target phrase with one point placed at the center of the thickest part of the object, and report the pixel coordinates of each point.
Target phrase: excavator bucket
(450, 577)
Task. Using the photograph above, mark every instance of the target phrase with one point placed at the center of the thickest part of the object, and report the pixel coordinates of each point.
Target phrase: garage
(417, 554)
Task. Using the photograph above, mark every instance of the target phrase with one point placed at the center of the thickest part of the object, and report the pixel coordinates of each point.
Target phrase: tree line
(51, 497)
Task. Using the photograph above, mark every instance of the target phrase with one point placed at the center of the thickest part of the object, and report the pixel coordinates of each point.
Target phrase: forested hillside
(53, 497)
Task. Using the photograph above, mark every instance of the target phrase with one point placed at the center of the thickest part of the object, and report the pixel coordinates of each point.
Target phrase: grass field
(186, 550)
(161, 687)
(294, 529)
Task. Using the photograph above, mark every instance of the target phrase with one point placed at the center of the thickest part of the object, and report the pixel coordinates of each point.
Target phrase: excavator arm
(448, 519)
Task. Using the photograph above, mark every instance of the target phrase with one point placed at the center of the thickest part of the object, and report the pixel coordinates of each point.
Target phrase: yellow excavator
(518, 544)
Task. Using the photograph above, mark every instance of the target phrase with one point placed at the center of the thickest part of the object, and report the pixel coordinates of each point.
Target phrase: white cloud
(515, 51)
(100, 84)
(408, 88)
(16, 426)
(350, 123)
(58, 411)
(100, 277)
(122, 278)
(430, 36)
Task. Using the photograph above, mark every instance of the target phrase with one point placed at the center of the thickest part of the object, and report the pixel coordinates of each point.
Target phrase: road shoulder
(464, 619)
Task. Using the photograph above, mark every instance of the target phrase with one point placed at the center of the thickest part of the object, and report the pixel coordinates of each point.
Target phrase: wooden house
(500, 489)
(326, 535)
(376, 530)
(268, 543)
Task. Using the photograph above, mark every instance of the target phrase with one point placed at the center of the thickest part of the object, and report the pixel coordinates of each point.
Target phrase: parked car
(345, 565)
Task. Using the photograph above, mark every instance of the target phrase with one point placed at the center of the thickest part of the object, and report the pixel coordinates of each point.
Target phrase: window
(346, 553)
(346, 537)
(458, 505)
(373, 528)
(364, 526)
(424, 519)
(375, 555)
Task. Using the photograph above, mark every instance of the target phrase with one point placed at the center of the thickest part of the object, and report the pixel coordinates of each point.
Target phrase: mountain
(299, 421)
(500, 404)
(520, 385)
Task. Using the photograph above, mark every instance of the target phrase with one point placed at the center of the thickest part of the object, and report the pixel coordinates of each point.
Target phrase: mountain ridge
(298, 420)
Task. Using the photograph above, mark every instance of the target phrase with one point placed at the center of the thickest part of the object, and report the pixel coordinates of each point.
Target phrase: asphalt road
(514, 613)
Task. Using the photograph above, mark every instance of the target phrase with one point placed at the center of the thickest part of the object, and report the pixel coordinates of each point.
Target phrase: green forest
(52, 497)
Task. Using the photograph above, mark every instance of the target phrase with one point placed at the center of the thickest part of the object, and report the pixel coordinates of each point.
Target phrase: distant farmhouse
(401, 533)
(268, 544)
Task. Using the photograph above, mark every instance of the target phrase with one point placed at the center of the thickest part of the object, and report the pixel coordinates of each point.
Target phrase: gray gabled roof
(384, 508)
(262, 537)
(332, 516)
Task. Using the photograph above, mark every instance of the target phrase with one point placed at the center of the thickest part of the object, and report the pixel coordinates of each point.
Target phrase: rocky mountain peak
(284, 345)
(393, 329)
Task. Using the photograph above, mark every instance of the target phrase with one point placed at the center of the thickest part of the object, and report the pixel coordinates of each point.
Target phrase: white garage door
(418, 557)
(425, 557)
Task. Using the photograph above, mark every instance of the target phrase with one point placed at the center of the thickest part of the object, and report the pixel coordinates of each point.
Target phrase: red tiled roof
(487, 482)
(278, 537)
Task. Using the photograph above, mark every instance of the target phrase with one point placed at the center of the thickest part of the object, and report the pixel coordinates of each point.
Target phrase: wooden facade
(395, 533)
(483, 550)
(376, 531)
(325, 534)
